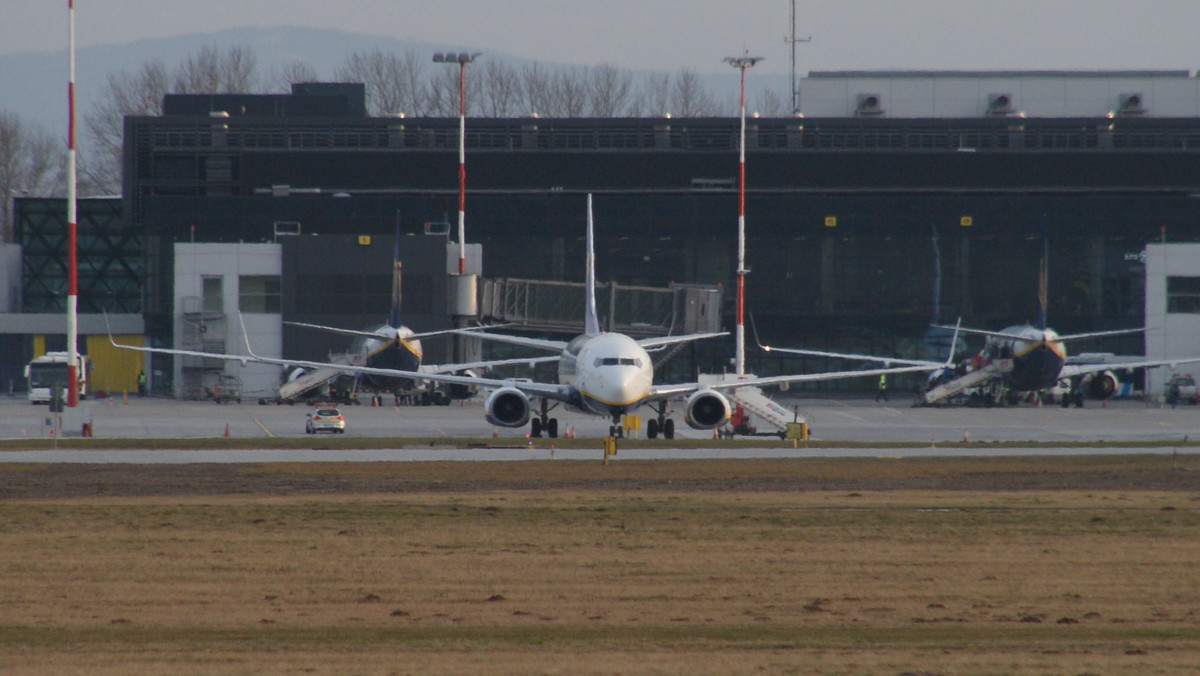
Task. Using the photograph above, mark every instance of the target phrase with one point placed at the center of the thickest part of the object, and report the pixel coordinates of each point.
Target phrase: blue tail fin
(394, 318)
(591, 323)
(1043, 278)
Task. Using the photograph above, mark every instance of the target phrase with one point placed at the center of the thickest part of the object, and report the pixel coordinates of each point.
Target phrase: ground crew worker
(882, 393)
(141, 382)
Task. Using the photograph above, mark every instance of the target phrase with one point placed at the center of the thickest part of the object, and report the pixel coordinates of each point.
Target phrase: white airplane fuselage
(610, 372)
(1038, 356)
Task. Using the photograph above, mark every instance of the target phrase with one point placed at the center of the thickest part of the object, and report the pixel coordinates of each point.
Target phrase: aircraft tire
(552, 428)
(668, 429)
(535, 428)
(652, 428)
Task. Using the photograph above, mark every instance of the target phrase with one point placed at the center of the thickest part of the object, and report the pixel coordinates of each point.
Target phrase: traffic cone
(716, 434)
(226, 429)
(495, 433)
(966, 437)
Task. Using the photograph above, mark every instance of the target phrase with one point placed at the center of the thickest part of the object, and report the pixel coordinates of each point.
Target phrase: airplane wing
(548, 390)
(538, 343)
(1101, 334)
(1072, 336)
(845, 355)
(463, 366)
(377, 336)
(671, 340)
(559, 345)
(666, 391)
(1073, 370)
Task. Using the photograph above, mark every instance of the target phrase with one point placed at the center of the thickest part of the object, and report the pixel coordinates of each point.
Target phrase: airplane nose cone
(621, 386)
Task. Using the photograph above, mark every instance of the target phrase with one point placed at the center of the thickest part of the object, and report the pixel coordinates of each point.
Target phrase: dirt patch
(1134, 473)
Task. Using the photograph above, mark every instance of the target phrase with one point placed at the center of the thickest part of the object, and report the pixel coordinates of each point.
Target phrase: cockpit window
(617, 361)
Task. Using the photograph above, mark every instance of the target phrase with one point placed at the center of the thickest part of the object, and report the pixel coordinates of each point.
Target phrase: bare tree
(380, 72)
(534, 90)
(689, 97)
(137, 94)
(655, 97)
(609, 91)
(210, 71)
(501, 90)
(770, 104)
(293, 72)
(32, 162)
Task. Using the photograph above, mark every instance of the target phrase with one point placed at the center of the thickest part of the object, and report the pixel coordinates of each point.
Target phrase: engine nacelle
(706, 409)
(1101, 385)
(507, 407)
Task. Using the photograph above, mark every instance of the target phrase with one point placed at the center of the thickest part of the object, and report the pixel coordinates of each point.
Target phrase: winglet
(953, 341)
(591, 324)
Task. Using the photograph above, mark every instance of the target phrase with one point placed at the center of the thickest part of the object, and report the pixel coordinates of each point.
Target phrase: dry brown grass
(584, 581)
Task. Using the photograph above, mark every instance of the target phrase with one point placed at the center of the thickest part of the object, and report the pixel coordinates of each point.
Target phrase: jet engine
(706, 409)
(507, 407)
(1100, 385)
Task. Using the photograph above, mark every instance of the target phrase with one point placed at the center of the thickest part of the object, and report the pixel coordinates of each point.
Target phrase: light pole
(72, 268)
(741, 63)
(462, 59)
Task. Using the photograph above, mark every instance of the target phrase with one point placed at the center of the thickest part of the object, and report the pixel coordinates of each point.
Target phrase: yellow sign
(831, 221)
(364, 240)
(966, 221)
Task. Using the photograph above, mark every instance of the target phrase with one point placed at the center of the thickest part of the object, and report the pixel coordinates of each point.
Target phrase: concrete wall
(1175, 334)
(193, 262)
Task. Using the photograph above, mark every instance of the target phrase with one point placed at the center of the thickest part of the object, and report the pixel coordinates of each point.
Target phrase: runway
(849, 419)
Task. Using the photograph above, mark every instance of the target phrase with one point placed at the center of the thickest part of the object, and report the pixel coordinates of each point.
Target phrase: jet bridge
(638, 311)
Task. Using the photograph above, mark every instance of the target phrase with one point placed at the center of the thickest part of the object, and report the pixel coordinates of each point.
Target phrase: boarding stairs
(317, 377)
(964, 382)
(753, 401)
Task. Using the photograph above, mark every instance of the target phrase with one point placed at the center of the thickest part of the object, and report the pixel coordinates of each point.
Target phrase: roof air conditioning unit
(1130, 105)
(869, 105)
(999, 105)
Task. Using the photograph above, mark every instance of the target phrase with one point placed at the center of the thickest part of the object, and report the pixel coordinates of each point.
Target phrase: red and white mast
(462, 60)
(741, 63)
(72, 269)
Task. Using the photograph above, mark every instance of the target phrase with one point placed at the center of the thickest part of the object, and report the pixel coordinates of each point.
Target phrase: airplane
(1023, 358)
(395, 346)
(607, 374)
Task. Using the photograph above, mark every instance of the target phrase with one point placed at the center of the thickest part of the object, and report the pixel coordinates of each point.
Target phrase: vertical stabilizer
(591, 323)
(1043, 278)
(394, 318)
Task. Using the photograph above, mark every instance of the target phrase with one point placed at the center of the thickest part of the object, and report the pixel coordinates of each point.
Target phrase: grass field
(611, 578)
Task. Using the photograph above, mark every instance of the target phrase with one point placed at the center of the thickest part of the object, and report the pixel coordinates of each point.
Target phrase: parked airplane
(608, 374)
(395, 346)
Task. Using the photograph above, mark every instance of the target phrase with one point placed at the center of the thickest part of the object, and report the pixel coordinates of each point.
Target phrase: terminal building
(897, 199)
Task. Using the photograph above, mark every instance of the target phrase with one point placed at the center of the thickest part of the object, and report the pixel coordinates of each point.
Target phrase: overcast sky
(670, 34)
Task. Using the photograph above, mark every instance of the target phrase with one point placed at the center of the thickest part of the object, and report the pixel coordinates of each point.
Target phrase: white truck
(48, 371)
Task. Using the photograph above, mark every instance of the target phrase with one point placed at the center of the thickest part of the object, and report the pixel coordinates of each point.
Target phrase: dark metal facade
(842, 214)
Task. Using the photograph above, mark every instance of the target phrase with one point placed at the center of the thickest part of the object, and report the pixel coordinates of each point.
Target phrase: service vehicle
(325, 420)
(49, 371)
(1184, 388)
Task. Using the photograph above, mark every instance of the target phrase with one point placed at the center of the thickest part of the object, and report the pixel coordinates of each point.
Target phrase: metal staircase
(956, 386)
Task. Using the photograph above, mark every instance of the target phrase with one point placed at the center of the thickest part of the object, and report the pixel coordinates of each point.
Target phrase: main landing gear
(660, 423)
(544, 423)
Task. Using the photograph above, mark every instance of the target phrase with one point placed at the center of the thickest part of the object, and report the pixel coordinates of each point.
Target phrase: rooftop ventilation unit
(1130, 105)
(999, 105)
(869, 105)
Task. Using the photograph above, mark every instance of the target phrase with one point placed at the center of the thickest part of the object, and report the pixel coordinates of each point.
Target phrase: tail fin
(394, 318)
(591, 323)
(1043, 279)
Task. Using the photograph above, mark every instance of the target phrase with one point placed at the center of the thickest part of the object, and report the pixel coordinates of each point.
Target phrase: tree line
(33, 161)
